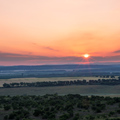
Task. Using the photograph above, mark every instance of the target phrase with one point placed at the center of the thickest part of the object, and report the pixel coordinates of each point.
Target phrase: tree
(6, 85)
(64, 116)
(36, 112)
(6, 117)
(12, 115)
(76, 117)
(7, 107)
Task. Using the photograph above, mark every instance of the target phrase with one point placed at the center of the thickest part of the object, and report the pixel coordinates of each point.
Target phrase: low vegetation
(55, 107)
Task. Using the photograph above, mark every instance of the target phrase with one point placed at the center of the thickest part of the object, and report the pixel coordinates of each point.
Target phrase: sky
(37, 32)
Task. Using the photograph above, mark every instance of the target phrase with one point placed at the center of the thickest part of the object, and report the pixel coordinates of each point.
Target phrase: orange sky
(58, 29)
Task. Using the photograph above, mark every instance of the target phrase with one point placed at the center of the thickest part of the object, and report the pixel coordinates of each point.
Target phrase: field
(102, 90)
(18, 80)
(61, 90)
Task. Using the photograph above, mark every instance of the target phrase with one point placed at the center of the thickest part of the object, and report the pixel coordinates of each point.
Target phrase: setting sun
(86, 55)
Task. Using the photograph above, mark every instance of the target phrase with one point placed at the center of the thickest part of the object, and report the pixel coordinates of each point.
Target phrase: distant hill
(72, 70)
(42, 67)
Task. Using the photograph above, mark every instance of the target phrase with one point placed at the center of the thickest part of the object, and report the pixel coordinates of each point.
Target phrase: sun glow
(86, 55)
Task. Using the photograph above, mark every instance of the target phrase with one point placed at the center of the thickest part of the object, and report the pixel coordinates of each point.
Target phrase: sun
(86, 55)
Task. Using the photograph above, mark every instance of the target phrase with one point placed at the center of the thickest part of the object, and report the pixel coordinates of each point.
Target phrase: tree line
(63, 83)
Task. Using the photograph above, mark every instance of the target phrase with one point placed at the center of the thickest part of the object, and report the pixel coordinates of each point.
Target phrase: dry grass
(102, 90)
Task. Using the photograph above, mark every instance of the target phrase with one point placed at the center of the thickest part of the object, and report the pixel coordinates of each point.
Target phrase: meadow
(30, 80)
(101, 90)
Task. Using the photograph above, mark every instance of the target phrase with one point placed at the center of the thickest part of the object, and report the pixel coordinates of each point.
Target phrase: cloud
(117, 51)
(45, 47)
(11, 58)
(20, 57)
(49, 48)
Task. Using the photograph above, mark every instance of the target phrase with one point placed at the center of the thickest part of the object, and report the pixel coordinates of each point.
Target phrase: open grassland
(102, 90)
(30, 80)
